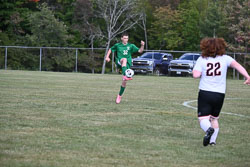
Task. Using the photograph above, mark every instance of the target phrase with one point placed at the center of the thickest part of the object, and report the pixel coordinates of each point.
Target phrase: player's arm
(142, 47)
(241, 70)
(197, 70)
(196, 74)
(107, 56)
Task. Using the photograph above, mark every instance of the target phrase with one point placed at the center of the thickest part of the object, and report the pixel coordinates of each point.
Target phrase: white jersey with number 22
(213, 72)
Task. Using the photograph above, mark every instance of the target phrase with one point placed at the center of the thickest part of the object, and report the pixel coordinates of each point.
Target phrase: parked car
(184, 65)
(152, 62)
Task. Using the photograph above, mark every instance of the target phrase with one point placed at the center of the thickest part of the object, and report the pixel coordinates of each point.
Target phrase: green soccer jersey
(124, 51)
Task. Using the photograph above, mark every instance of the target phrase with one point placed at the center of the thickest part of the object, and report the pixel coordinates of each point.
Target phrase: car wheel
(169, 73)
(157, 71)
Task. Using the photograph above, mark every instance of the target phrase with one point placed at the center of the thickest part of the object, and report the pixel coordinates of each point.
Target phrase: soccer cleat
(124, 78)
(212, 144)
(208, 135)
(118, 99)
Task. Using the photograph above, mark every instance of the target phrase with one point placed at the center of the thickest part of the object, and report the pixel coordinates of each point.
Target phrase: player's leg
(205, 123)
(124, 83)
(215, 125)
(122, 89)
(217, 106)
(204, 112)
(206, 126)
(124, 65)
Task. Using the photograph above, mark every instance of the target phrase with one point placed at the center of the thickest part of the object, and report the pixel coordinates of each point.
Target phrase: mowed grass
(53, 119)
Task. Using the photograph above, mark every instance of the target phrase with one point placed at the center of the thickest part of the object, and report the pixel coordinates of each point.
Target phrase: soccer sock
(124, 68)
(121, 90)
(214, 136)
(205, 124)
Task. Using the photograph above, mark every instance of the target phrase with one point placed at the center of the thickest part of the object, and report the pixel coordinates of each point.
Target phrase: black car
(152, 62)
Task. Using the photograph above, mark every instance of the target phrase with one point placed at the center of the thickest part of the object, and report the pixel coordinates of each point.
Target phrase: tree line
(162, 24)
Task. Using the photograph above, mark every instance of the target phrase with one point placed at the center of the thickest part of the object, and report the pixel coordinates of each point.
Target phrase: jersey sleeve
(134, 48)
(114, 48)
(198, 65)
(229, 60)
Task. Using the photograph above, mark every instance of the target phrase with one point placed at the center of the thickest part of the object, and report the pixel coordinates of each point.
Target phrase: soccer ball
(129, 73)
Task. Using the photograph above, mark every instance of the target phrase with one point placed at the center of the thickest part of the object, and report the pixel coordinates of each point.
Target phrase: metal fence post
(5, 62)
(40, 66)
(113, 62)
(153, 56)
(76, 59)
(234, 69)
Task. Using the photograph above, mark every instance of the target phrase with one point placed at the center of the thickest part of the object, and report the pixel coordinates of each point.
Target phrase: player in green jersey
(123, 59)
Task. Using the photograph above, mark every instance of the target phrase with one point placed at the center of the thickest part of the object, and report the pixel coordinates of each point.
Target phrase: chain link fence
(62, 59)
(89, 60)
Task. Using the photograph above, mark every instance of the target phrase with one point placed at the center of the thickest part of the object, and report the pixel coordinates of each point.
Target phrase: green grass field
(50, 119)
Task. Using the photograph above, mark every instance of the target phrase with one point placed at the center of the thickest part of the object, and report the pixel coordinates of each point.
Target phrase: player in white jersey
(212, 67)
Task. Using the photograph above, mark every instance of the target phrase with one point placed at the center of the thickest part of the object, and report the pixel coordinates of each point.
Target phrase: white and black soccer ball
(129, 73)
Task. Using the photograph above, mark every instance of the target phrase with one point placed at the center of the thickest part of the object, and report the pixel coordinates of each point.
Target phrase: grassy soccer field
(53, 119)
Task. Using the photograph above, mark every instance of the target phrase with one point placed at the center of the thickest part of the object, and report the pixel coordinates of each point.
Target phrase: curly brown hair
(212, 47)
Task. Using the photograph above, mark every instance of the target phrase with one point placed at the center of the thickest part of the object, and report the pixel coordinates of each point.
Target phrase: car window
(167, 56)
(196, 57)
(189, 57)
(150, 55)
(157, 56)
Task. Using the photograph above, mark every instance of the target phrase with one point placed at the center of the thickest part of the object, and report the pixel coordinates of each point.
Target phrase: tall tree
(238, 23)
(13, 19)
(119, 16)
(89, 30)
(6, 10)
(211, 24)
(46, 29)
(63, 9)
(84, 21)
(190, 28)
(165, 32)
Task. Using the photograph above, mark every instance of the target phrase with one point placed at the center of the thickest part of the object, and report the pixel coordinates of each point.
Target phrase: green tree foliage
(91, 34)
(13, 20)
(7, 8)
(64, 11)
(4, 39)
(13, 26)
(177, 28)
(141, 27)
(162, 3)
(164, 33)
(90, 61)
(84, 22)
(238, 22)
(211, 24)
(23, 59)
(46, 30)
(58, 60)
(190, 31)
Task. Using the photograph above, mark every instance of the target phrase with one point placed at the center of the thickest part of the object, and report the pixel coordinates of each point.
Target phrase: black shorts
(210, 103)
